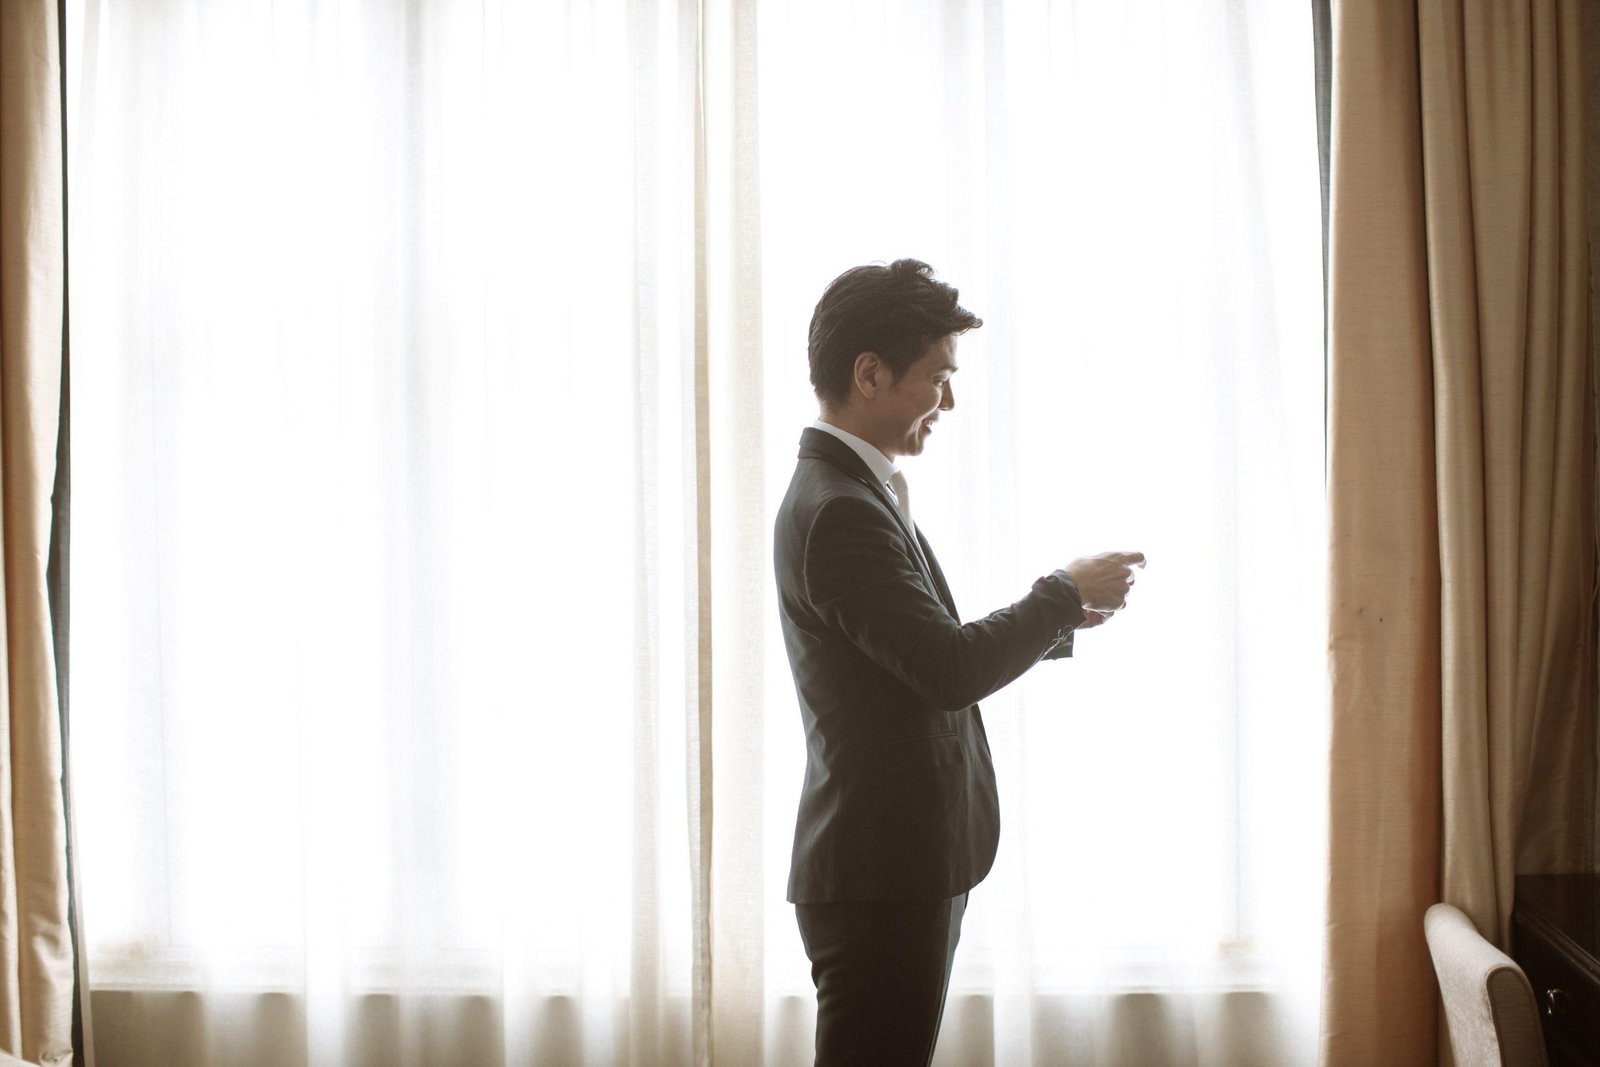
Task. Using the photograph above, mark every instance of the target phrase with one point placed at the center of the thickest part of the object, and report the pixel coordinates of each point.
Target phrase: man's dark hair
(895, 311)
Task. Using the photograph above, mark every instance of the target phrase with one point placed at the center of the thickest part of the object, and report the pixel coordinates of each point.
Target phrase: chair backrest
(1488, 1003)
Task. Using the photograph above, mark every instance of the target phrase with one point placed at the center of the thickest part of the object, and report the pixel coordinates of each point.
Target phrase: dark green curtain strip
(1322, 45)
(57, 572)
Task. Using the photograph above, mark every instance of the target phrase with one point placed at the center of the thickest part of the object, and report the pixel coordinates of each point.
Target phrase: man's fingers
(1105, 579)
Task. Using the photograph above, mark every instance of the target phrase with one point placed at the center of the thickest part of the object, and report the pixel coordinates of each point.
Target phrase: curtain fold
(738, 533)
(1460, 490)
(1591, 96)
(37, 962)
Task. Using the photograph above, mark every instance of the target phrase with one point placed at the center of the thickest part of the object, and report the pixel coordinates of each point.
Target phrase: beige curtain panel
(36, 959)
(1460, 489)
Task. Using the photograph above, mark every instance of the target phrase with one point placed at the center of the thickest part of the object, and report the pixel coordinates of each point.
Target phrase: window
(415, 520)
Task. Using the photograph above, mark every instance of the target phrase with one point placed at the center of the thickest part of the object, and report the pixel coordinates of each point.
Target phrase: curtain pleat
(730, 222)
(37, 962)
(1459, 493)
(701, 712)
(1555, 831)
(1383, 815)
(1590, 76)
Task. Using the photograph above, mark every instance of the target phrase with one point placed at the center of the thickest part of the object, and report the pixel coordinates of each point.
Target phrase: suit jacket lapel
(813, 442)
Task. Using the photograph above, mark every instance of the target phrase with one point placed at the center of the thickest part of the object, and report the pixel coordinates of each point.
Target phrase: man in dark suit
(898, 817)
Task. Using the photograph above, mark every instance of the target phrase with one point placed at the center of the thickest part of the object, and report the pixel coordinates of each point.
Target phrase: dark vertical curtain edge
(57, 571)
(1322, 49)
(1591, 87)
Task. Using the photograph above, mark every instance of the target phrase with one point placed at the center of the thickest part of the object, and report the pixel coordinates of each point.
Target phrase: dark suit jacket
(899, 799)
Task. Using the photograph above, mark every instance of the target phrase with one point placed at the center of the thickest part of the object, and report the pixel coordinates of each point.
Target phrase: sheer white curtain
(1127, 194)
(384, 376)
(438, 368)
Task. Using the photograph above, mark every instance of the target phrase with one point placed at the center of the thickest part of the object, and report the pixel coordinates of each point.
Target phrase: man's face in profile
(908, 408)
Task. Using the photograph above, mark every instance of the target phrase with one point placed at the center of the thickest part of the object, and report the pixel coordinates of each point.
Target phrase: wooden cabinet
(1555, 937)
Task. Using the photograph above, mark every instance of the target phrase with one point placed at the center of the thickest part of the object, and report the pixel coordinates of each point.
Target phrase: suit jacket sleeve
(861, 579)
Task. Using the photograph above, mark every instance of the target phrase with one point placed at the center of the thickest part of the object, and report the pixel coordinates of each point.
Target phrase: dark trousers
(882, 970)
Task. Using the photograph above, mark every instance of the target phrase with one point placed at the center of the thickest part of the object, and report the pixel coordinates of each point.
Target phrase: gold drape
(36, 959)
(1460, 484)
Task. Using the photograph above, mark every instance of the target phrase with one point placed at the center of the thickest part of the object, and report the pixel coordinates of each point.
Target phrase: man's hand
(1103, 582)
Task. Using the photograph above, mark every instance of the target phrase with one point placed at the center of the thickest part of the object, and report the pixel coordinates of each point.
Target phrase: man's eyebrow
(951, 367)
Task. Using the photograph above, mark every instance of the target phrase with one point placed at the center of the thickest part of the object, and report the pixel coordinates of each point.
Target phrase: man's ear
(870, 374)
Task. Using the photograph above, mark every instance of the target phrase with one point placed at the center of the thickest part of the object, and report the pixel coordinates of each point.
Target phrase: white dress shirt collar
(881, 466)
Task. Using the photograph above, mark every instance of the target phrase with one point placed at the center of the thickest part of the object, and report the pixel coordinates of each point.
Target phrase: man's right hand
(1104, 580)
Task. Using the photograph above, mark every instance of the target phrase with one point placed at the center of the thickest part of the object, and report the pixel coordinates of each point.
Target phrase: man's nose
(949, 400)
